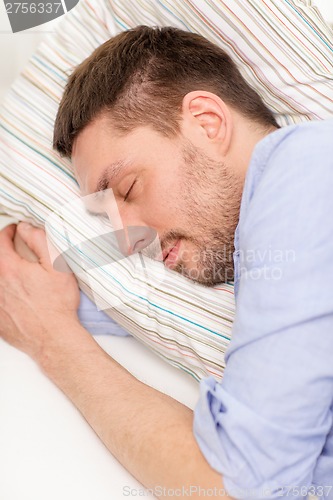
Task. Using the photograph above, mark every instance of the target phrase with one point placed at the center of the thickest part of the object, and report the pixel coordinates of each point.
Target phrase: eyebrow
(109, 173)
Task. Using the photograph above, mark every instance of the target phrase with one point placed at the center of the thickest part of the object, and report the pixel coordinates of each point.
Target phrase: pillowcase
(284, 50)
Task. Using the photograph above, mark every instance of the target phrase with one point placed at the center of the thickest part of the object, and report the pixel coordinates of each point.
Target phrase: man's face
(189, 198)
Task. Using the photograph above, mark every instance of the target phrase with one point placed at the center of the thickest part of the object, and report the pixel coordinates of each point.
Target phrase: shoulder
(292, 196)
(284, 157)
(298, 160)
(301, 146)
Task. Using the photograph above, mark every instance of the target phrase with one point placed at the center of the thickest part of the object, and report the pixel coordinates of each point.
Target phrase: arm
(268, 426)
(148, 432)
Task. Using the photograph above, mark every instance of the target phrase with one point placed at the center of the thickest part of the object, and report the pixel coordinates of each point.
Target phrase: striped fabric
(282, 47)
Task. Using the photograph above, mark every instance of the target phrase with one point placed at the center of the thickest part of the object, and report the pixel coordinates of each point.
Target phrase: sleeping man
(164, 119)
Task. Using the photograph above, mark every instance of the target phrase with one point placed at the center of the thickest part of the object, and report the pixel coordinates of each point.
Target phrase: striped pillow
(282, 47)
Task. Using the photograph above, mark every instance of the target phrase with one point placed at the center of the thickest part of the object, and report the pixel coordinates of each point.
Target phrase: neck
(246, 135)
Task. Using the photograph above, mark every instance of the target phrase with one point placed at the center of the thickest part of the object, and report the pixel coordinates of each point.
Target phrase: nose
(133, 239)
(133, 236)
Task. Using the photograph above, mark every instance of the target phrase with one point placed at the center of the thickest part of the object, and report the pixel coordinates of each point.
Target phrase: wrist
(79, 367)
(65, 343)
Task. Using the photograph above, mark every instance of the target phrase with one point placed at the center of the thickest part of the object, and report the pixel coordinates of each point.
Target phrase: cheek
(158, 205)
(165, 205)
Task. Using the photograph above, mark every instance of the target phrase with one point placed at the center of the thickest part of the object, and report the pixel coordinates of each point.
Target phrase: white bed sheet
(47, 449)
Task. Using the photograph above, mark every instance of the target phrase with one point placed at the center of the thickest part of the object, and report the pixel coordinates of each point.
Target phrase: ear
(206, 117)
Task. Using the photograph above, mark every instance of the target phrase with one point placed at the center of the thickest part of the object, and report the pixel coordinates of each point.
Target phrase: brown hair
(141, 76)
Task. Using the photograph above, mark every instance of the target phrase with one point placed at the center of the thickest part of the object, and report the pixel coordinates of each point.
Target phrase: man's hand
(22, 248)
(149, 432)
(36, 301)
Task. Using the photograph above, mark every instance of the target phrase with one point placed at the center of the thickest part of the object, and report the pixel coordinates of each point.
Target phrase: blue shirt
(95, 321)
(267, 427)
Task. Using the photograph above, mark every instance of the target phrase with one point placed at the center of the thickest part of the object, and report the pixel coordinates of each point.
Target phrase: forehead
(98, 148)
(101, 148)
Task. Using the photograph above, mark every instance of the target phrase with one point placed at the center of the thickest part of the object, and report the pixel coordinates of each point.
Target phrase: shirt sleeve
(95, 321)
(265, 425)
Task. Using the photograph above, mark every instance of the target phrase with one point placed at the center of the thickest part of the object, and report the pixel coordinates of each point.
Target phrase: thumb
(9, 231)
(35, 239)
(6, 239)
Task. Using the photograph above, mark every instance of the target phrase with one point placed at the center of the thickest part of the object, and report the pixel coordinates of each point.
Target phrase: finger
(35, 239)
(6, 239)
(23, 250)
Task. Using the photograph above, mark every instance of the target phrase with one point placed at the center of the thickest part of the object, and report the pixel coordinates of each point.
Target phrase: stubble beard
(211, 200)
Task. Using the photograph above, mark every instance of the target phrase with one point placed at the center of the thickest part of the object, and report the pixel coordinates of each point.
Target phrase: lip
(170, 256)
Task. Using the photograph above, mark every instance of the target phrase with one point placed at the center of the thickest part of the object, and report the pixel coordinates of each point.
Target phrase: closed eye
(129, 191)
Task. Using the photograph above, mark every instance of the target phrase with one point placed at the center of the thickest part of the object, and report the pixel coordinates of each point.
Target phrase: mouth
(170, 256)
